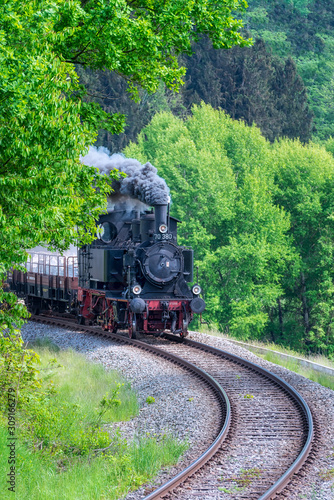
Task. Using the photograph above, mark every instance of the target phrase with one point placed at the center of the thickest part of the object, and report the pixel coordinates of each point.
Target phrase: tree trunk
(280, 316)
(306, 314)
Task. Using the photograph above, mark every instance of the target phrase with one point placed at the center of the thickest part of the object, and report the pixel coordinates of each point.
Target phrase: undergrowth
(66, 444)
(293, 365)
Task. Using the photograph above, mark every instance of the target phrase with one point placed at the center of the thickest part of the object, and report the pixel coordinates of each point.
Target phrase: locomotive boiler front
(162, 263)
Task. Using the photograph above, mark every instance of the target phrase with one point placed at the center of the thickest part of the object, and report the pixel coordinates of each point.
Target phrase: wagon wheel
(81, 320)
(134, 326)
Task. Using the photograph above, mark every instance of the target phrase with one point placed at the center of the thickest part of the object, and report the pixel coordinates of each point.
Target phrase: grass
(242, 480)
(315, 358)
(65, 447)
(85, 383)
(103, 477)
(293, 365)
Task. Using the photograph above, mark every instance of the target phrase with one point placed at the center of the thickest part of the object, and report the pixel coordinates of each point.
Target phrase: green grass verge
(102, 477)
(315, 358)
(61, 427)
(85, 383)
(294, 366)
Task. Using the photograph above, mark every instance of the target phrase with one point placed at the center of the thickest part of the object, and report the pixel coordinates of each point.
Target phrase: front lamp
(136, 289)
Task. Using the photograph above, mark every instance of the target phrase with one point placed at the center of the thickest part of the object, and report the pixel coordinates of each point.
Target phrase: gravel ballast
(318, 482)
(185, 410)
(182, 408)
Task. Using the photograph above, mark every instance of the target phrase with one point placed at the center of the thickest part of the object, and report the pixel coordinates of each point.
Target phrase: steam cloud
(141, 182)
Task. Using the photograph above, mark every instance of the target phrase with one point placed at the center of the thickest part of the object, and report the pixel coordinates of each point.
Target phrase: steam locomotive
(133, 277)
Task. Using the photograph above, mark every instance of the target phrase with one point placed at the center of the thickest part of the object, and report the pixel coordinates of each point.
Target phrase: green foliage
(110, 475)
(295, 366)
(18, 370)
(304, 180)
(46, 195)
(260, 219)
(63, 444)
(221, 181)
(141, 39)
(12, 311)
(252, 85)
(62, 421)
(150, 400)
(302, 29)
(248, 83)
(97, 391)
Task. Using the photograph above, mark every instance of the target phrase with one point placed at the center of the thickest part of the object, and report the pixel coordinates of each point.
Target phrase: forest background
(245, 146)
(250, 172)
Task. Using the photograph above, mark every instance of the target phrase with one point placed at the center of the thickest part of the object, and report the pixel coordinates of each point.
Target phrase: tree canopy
(260, 219)
(302, 29)
(250, 84)
(220, 176)
(46, 123)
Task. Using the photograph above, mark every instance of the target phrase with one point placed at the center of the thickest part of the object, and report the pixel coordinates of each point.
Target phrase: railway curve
(297, 428)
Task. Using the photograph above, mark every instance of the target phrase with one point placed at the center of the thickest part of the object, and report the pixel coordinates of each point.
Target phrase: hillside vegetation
(302, 29)
(259, 216)
(66, 441)
(284, 83)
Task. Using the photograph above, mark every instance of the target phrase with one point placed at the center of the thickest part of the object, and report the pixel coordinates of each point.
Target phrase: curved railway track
(265, 425)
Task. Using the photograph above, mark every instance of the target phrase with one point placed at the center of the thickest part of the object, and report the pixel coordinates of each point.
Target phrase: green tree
(109, 89)
(221, 179)
(304, 178)
(302, 29)
(46, 196)
(252, 85)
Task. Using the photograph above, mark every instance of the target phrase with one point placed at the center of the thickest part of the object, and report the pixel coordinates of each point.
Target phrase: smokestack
(160, 218)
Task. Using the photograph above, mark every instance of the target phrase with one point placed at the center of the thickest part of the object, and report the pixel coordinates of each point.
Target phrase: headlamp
(136, 289)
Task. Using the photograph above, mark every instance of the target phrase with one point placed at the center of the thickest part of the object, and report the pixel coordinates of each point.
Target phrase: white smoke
(141, 183)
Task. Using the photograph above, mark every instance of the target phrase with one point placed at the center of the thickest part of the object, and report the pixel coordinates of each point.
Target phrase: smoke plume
(141, 182)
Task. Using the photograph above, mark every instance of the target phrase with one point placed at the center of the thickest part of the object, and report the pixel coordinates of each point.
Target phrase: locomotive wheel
(133, 327)
(81, 320)
(184, 333)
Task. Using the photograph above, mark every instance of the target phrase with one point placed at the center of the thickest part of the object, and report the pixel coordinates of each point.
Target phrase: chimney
(160, 217)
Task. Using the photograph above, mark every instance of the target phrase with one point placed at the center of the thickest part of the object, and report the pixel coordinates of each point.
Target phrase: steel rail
(215, 386)
(285, 479)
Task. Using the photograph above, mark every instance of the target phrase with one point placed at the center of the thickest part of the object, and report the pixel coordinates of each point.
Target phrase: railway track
(266, 428)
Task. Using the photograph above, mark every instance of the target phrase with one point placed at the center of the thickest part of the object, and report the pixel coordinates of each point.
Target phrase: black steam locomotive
(134, 276)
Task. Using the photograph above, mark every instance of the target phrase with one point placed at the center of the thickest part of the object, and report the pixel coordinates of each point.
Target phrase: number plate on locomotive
(163, 237)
